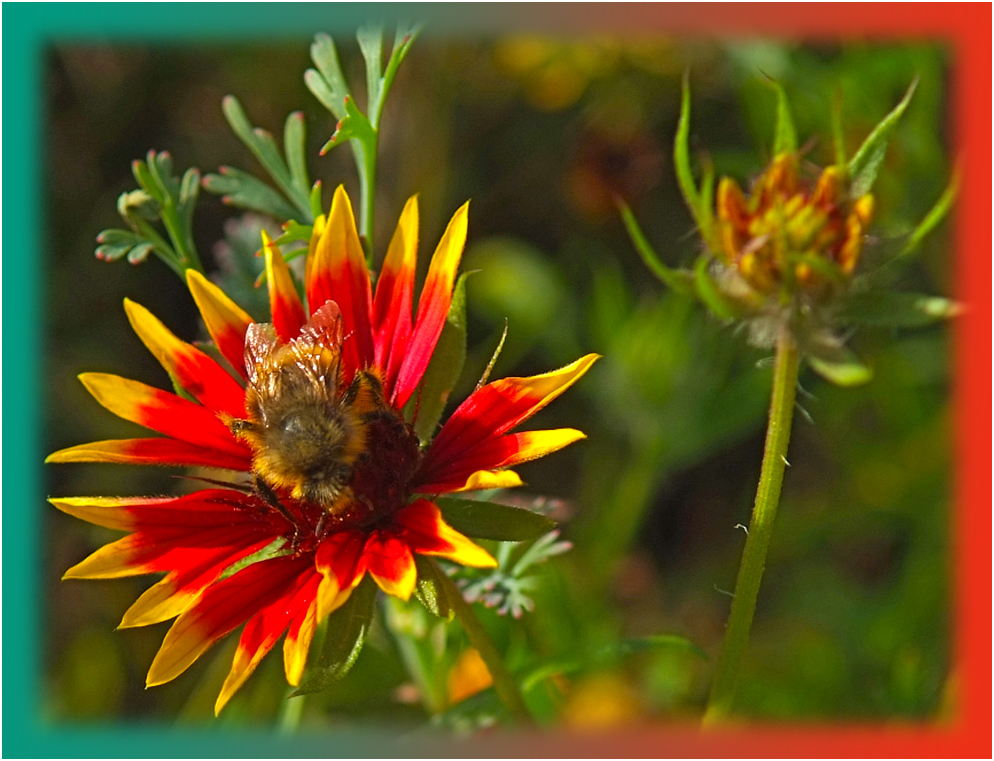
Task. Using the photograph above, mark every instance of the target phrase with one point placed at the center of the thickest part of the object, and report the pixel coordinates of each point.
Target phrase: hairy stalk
(764, 513)
(505, 684)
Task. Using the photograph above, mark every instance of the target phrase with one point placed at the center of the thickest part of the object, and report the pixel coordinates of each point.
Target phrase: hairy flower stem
(505, 684)
(764, 513)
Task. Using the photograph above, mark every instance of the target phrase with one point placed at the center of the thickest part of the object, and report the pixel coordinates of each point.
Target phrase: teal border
(28, 29)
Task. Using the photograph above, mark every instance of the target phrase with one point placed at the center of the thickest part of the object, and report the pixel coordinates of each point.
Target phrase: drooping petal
(194, 371)
(225, 320)
(394, 295)
(339, 558)
(391, 564)
(222, 608)
(433, 306)
(284, 302)
(426, 533)
(151, 452)
(338, 272)
(493, 410)
(162, 411)
(109, 512)
(301, 631)
(261, 633)
(497, 453)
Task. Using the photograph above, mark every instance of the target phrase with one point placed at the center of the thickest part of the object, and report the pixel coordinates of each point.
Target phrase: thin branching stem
(760, 530)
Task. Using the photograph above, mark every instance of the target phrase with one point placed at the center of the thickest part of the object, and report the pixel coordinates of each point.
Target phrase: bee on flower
(315, 424)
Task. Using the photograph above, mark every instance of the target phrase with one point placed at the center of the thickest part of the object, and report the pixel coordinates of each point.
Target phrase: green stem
(365, 159)
(431, 692)
(506, 686)
(760, 530)
(291, 713)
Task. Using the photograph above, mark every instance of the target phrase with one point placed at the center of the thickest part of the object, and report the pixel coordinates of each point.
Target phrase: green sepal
(897, 310)
(862, 169)
(430, 591)
(709, 293)
(784, 134)
(492, 520)
(242, 189)
(837, 364)
(935, 215)
(346, 633)
(353, 126)
(445, 366)
(681, 281)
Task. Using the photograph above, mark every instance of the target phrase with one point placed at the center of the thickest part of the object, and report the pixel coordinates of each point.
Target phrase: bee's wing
(260, 342)
(324, 328)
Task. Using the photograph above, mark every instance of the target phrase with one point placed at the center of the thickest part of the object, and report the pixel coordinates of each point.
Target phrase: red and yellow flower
(383, 513)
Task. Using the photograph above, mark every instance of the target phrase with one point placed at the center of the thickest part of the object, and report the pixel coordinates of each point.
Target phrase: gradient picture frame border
(29, 28)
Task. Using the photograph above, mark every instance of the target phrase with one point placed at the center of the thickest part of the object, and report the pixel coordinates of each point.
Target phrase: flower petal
(394, 295)
(225, 320)
(284, 302)
(297, 644)
(339, 559)
(261, 633)
(162, 411)
(221, 609)
(391, 564)
(482, 479)
(433, 306)
(193, 370)
(109, 512)
(151, 452)
(495, 454)
(426, 533)
(492, 410)
(338, 272)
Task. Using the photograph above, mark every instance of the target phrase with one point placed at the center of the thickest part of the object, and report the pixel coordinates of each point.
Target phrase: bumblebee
(305, 435)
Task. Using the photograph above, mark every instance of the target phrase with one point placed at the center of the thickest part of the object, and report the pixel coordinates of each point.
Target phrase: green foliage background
(853, 616)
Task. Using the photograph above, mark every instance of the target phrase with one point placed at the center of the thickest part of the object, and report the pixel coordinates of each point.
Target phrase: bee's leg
(273, 501)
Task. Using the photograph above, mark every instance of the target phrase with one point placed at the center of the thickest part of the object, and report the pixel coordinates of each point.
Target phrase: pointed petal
(426, 533)
(109, 512)
(182, 588)
(338, 272)
(162, 411)
(225, 320)
(262, 631)
(194, 371)
(495, 409)
(495, 454)
(297, 644)
(222, 608)
(433, 306)
(151, 452)
(316, 232)
(339, 559)
(284, 302)
(113, 561)
(391, 564)
(394, 295)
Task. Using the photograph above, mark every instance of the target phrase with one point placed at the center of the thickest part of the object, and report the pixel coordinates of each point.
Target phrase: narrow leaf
(864, 165)
(319, 88)
(838, 133)
(445, 366)
(325, 57)
(492, 520)
(401, 45)
(935, 215)
(679, 280)
(294, 136)
(353, 126)
(681, 151)
(346, 634)
(240, 188)
(370, 41)
(784, 136)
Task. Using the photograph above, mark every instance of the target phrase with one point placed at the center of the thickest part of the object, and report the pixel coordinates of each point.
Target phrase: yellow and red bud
(828, 191)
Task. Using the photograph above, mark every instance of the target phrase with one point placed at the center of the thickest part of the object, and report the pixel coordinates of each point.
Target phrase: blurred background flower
(540, 133)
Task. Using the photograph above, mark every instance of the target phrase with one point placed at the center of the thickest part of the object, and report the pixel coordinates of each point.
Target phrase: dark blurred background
(540, 133)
